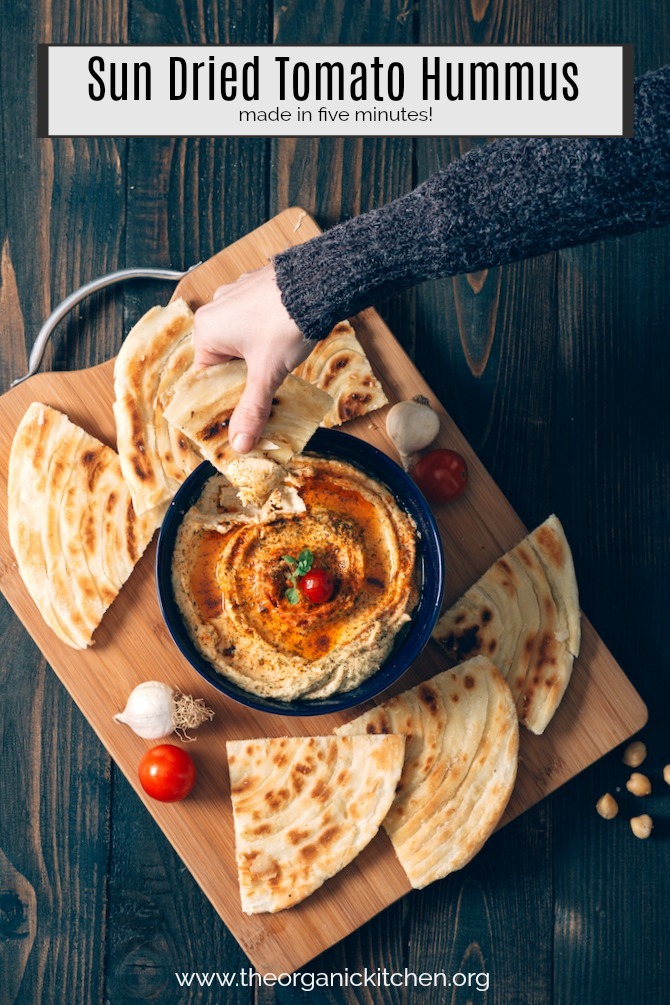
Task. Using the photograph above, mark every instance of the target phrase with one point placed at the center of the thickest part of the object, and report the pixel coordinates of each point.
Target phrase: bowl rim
(337, 445)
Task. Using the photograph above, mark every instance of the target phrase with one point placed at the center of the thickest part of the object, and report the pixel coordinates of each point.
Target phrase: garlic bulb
(412, 425)
(154, 710)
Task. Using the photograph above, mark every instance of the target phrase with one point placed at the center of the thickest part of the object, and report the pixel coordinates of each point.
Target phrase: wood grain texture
(488, 342)
(56, 233)
(185, 200)
(602, 304)
(612, 426)
(599, 711)
(336, 178)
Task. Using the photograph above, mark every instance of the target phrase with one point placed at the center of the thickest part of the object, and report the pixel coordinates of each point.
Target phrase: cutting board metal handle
(44, 334)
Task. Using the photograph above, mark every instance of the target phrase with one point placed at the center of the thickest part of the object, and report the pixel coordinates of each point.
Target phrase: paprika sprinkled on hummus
(230, 583)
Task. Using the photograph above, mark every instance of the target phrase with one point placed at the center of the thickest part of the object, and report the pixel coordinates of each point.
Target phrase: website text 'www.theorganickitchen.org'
(312, 981)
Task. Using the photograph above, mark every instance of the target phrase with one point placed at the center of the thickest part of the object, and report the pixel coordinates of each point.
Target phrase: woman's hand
(247, 320)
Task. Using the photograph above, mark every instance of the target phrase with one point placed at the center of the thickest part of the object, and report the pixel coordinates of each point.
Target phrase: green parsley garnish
(299, 567)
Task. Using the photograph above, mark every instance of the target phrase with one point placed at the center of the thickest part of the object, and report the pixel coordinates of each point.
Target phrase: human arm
(508, 200)
(511, 199)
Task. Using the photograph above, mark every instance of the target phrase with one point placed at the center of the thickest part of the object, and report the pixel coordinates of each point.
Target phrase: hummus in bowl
(224, 580)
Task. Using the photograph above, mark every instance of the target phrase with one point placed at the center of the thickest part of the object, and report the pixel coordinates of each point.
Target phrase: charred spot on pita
(295, 835)
(215, 427)
(466, 643)
(329, 835)
(428, 697)
(549, 543)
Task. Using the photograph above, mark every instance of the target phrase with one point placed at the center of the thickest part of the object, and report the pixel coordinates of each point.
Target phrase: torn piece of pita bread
(338, 365)
(201, 407)
(524, 614)
(304, 807)
(72, 525)
(460, 766)
(155, 458)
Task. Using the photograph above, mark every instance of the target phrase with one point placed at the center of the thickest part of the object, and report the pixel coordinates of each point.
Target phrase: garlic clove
(155, 710)
(149, 710)
(412, 426)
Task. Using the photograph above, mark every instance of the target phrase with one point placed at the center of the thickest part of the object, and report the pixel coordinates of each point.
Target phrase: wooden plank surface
(55, 793)
(611, 324)
(185, 199)
(600, 709)
(471, 340)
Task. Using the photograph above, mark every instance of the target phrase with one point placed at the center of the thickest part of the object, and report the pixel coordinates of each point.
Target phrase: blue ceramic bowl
(411, 639)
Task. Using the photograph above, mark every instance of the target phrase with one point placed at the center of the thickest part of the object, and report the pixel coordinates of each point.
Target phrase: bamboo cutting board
(600, 710)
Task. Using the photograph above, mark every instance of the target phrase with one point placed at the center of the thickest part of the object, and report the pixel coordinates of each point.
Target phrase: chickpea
(638, 784)
(607, 806)
(634, 754)
(666, 774)
(641, 826)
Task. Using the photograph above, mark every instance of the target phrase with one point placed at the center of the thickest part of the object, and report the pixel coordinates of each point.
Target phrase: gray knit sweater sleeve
(508, 200)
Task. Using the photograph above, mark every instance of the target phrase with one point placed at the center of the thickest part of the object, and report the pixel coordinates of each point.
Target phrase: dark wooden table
(557, 370)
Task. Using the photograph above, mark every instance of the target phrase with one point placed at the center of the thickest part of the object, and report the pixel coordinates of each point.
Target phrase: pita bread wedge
(201, 407)
(338, 365)
(75, 595)
(524, 614)
(304, 807)
(71, 522)
(460, 766)
(155, 459)
(178, 456)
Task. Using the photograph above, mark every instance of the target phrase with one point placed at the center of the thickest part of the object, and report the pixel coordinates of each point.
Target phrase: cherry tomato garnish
(441, 475)
(167, 773)
(317, 586)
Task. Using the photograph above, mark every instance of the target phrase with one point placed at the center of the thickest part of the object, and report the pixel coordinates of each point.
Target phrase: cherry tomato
(318, 586)
(441, 475)
(167, 773)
